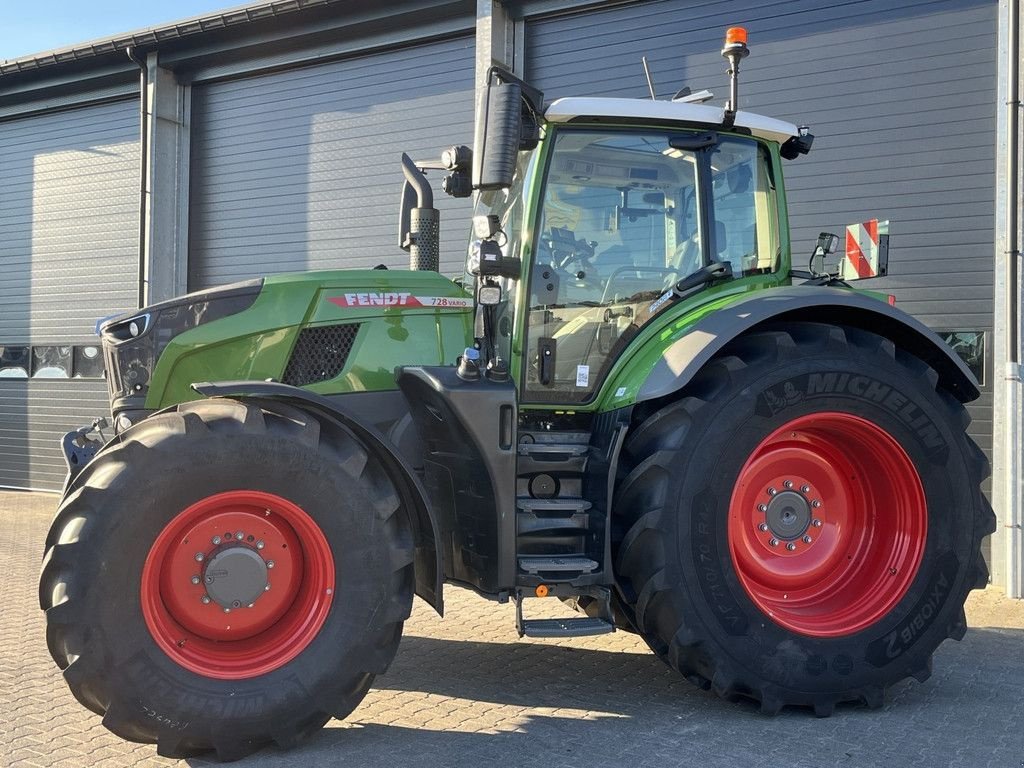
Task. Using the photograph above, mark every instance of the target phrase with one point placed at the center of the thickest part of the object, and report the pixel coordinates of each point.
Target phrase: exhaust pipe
(424, 227)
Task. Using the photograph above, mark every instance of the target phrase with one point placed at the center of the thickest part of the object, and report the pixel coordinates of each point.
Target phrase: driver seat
(687, 257)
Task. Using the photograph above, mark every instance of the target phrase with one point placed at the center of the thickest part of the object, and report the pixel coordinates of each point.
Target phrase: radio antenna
(650, 82)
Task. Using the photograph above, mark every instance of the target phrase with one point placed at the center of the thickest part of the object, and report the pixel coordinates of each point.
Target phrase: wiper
(711, 273)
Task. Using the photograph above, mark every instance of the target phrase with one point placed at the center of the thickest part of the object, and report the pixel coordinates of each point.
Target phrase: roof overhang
(581, 109)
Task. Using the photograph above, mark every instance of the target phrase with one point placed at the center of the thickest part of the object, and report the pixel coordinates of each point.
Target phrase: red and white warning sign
(867, 250)
(399, 299)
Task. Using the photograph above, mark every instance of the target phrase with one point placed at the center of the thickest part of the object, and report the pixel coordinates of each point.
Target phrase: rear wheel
(803, 525)
(225, 577)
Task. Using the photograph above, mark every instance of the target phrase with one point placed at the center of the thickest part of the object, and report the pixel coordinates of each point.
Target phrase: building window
(51, 361)
(970, 346)
(88, 362)
(14, 362)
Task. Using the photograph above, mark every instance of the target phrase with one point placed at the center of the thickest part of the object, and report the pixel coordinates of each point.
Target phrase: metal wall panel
(901, 98)
(69, 215)
(299, 169)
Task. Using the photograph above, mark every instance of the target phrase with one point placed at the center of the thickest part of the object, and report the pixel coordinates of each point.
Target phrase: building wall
(299, 170)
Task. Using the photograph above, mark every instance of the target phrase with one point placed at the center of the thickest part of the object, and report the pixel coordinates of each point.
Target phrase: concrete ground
(465, 691)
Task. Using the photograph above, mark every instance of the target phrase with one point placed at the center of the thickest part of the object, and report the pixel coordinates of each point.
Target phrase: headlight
(135, 342)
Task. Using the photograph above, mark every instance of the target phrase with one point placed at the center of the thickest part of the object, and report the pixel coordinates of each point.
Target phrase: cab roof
(582, 108)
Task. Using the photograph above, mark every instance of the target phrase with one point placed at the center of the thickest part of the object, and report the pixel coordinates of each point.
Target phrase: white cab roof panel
(564, 110)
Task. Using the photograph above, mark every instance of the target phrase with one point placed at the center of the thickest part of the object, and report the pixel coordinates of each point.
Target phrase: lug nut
(260, 544)
(227, 610)
(805, 488)
(270, 563)
(330, 591)
(205, 600)
(266, 588)
(808, 539)
(762, 507)
(773, 543)
(816, 523)
(772, 491)
(216, 540)
(239, 535)
(762, 527)
(249, 605)
(196, 580)
(200, 557)
(816, 504)
(791, 546)
(788, 483)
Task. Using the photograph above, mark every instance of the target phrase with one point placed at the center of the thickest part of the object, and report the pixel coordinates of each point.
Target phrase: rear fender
(428, 566)
(681, 360)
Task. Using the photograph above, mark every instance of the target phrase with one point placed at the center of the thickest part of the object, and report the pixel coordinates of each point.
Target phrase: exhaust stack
(735, 50)
(421, 233)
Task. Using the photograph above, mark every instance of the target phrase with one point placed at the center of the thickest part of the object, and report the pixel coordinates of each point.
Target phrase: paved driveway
(465, 691)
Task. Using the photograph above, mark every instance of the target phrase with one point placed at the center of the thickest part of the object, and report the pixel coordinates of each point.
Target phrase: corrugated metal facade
(300, 169)
(901, 99)
(69, 216)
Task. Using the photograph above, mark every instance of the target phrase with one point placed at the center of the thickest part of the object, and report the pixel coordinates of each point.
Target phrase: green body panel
(631, 369)
(257, 343)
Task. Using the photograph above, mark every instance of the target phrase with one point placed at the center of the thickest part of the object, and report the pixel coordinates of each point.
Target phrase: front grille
(320, 354)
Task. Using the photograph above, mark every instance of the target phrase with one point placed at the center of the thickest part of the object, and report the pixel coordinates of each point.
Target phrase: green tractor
(631, 402)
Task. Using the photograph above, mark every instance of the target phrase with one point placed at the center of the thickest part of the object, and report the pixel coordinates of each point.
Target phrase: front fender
(428, 566)
(681, 359)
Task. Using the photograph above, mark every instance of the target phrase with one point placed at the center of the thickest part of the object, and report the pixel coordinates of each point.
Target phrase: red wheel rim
(827, 524)
(237, 585)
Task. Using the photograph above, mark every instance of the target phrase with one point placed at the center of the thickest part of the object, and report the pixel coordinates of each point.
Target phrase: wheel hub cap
(788, 515)
(236, 576)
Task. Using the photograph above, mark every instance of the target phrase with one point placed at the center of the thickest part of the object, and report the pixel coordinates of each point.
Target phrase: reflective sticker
(620, 391)
(399, 299)
(582, 375)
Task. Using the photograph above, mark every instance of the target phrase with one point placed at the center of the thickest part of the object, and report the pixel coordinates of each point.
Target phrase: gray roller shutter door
(901, 98)
(69, 212)
(299, 170)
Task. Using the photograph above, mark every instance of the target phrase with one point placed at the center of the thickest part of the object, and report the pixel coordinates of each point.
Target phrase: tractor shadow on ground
(554, 705)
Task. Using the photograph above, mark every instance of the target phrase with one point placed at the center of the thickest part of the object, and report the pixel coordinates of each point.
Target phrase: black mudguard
(837, 306)
(428, 565)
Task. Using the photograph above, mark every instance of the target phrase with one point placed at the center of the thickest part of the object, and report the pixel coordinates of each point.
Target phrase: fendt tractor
(631, 402)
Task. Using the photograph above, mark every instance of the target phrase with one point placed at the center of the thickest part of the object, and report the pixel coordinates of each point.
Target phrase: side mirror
(505, 125)
(827, 243)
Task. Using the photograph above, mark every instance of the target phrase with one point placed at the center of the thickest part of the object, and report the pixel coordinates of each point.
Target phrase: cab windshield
(624, 217)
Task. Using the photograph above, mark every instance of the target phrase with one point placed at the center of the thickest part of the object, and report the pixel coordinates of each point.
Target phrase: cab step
(572, 627)
(560, 564)
(544, 456)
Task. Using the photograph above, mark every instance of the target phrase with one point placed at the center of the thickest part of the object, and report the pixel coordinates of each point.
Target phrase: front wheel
(803, 525)
(226, 576)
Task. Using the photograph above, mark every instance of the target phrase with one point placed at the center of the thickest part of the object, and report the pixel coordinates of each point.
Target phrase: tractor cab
(622, 216)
